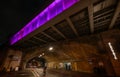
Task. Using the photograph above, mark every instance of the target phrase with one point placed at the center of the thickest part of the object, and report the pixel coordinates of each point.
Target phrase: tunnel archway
(67, 52)
(36, 62)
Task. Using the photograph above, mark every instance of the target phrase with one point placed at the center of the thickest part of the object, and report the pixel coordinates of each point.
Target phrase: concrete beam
(72, 26)
(59, 32)
(39, 39)
(90, 13)
(48, 36)
(33, 42)
(117, 11)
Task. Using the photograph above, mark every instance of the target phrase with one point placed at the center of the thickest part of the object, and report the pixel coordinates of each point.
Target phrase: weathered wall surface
(12, 60)
(82, 54)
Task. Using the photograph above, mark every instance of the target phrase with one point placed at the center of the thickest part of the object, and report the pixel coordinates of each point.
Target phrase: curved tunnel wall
(37, 62)
(77, 52)
(83, 54)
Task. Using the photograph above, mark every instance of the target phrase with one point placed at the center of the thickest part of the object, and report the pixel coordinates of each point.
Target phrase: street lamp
(50, 48)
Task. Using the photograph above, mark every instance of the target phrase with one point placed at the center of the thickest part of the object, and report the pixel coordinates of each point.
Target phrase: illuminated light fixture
(40, 55)
(43, 53)
(54, 9)
(51, 48)
(112, 50)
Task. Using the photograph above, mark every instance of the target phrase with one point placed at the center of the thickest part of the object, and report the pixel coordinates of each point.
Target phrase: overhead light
(50, 48)
(40, 55)
(43, 53)
(112, 50)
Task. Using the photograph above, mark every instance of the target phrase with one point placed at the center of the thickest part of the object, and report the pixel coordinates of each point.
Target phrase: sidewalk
(62, 73)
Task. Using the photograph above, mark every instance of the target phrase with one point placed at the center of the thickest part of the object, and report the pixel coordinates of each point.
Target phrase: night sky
(14, 14)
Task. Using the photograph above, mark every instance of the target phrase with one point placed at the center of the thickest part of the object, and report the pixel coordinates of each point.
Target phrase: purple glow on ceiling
(50, 12)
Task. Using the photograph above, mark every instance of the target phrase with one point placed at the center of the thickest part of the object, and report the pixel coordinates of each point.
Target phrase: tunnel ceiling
(90, 18)
(67, 51)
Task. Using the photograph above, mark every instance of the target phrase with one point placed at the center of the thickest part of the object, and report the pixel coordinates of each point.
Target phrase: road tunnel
(70, 55)
(36, 62)
(82, 38)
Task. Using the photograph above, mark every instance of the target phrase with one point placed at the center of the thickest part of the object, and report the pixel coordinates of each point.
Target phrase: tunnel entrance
(36, 62)
(68, 66)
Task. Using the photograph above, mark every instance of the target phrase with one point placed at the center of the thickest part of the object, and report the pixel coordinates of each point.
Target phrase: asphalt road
(17, 74)
(49, 73)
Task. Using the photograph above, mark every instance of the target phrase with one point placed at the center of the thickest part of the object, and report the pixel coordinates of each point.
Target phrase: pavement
(17, 74)
(35, 72)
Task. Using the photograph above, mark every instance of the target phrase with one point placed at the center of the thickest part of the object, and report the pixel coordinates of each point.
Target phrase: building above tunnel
(81, 19)
(81, 36)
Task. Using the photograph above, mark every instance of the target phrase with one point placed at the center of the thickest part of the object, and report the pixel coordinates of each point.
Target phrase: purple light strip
(50, 12)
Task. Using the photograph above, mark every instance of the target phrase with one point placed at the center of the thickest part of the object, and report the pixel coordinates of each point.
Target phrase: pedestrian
(44, 70)
(4, 69)
(11, 69)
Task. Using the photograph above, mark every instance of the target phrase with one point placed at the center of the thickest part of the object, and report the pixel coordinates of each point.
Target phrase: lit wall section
(47, 14)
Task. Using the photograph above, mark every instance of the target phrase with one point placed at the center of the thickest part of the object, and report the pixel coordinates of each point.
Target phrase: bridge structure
(75, 35)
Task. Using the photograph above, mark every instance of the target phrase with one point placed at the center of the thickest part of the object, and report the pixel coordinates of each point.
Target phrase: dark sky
(14, 14)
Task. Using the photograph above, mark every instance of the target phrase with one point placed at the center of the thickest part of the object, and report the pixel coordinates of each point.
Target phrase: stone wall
(12, 60)
(83, 53)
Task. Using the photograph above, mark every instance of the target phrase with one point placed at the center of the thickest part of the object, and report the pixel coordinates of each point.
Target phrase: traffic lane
(62, 73)
(17, 74)
(68, 73)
